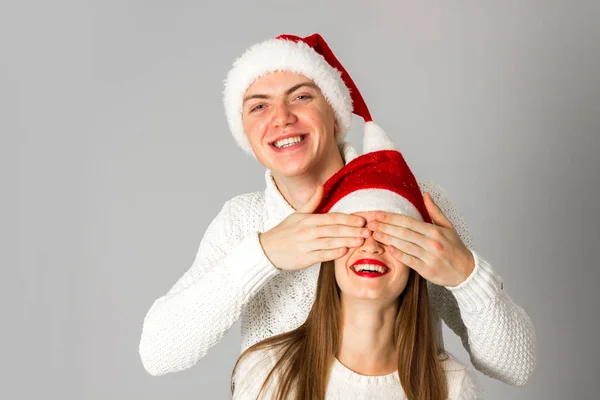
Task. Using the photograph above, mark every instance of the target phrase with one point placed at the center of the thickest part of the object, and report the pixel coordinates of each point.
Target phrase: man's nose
(283, 115)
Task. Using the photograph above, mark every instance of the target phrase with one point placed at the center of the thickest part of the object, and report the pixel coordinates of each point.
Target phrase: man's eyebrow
(287, 92)
(298, 86)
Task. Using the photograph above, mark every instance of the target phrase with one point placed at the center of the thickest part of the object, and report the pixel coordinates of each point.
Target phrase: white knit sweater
(231, 278)
(345, 384)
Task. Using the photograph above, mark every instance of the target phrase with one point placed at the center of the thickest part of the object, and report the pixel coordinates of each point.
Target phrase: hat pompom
(375, 139)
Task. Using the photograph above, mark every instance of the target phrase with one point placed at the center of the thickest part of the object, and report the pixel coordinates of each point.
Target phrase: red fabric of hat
(384, 170)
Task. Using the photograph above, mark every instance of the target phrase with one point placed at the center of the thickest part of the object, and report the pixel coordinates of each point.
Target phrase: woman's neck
(367, 344)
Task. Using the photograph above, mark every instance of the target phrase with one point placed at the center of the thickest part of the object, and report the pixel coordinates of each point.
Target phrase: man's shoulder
(431, 187)
(241, 212)
(247, 202)
(237, 217)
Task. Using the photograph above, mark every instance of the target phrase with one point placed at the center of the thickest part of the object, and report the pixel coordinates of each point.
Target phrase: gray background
(116, 156)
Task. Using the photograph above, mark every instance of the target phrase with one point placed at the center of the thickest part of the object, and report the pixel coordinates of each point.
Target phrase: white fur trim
(283, 55)
(375, 139)
(375, 200)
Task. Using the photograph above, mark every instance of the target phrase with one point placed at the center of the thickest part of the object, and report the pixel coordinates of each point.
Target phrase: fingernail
(358, 240)
(365, 233)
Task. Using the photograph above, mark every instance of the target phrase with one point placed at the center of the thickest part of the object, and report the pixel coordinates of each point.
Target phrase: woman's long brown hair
(306, 354)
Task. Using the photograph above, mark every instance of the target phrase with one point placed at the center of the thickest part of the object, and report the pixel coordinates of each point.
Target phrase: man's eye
(258, 107)
(304, 97)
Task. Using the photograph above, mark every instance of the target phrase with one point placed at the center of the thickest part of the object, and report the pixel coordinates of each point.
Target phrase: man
(289, 102)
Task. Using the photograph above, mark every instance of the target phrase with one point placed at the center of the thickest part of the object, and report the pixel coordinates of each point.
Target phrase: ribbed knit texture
(231, 278)
(345, 384)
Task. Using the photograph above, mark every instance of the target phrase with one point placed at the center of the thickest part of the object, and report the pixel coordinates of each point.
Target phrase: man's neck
(297, 190)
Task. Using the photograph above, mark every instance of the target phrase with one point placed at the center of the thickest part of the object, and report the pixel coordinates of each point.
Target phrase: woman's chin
(373, 295)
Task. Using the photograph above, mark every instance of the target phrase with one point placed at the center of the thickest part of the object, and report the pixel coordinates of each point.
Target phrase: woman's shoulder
(450, 363)
(462, 381)
(256, 362)
(251, 373)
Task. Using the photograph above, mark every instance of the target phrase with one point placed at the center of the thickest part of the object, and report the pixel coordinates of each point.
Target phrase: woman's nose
(371, 246)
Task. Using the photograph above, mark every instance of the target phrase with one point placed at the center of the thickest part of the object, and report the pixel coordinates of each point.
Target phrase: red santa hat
(309, 56)
(379, 179)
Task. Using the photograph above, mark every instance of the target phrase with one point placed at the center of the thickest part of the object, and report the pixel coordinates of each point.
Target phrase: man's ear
(336, 127)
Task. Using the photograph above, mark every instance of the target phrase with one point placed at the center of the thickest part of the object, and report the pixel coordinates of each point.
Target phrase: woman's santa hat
(380, 179)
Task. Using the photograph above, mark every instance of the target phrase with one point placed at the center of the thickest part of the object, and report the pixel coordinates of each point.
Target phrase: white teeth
(369, 267)
(287, 142)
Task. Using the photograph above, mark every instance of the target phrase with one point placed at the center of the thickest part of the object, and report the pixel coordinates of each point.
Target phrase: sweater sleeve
(229, 269)
(498, 335)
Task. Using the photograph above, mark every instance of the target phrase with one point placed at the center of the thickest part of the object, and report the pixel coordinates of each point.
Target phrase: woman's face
(290, 125)
(354, 277)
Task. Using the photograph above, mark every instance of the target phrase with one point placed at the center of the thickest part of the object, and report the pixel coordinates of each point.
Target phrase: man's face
(385, 285)
(290, 125)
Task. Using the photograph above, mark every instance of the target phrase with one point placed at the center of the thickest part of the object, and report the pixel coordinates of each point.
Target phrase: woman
(369, 333)
(396, 304)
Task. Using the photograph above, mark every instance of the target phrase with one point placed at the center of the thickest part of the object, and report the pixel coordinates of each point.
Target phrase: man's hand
(436, 252)
(304, 239)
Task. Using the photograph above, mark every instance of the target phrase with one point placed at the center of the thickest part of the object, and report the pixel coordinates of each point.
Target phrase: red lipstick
(369, 274)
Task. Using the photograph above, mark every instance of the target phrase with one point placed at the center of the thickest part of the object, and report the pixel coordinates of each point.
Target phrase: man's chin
(294, 172)
(292, 168)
